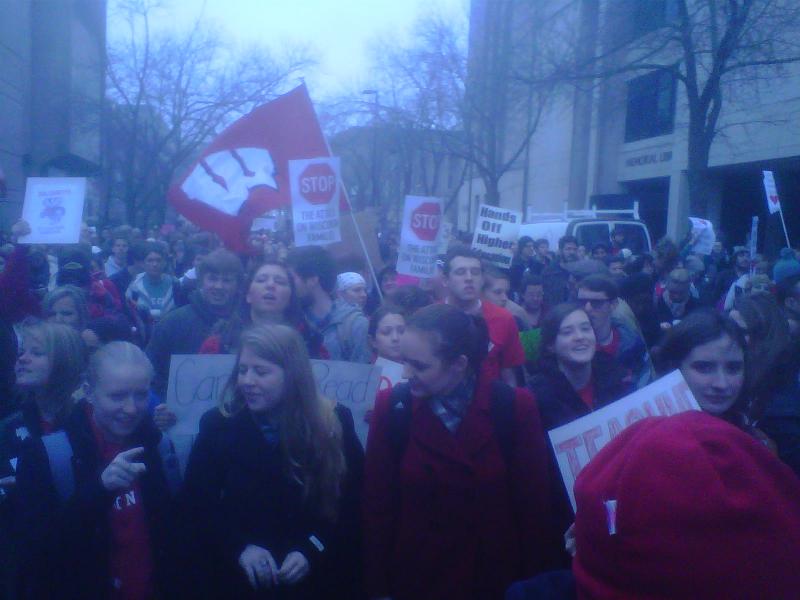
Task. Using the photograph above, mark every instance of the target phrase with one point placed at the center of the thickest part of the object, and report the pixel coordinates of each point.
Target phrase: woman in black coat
(95, 500)
(573, 379)
(273, 482)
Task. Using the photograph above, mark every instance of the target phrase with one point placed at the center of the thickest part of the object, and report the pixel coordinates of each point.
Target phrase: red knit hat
(687, 507)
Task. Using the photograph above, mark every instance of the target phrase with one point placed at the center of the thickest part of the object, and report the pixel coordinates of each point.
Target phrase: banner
(703, 232)
(197, 381)
(576, 443)
(244, 172)
(315, 201)
(773, 200)
(54, 209)
(496, 230)
(419, 236)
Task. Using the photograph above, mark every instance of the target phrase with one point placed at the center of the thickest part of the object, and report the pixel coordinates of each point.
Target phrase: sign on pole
(576, 443)
(496, 230)
(315, 200)
(54, 209)
(773, 200)
(419, 236)
(703, 232)
(753, 242)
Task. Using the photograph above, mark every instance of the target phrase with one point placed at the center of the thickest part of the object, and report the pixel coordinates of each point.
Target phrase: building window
(651, 106)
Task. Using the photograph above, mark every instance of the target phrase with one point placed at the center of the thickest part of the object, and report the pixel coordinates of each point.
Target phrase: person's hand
(569, 541)
(123, 471)
(163, 417)
(20, 228)
(259, 566)
(294, 568)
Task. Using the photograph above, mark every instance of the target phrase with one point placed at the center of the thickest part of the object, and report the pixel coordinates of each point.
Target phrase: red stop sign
(425, 221)
(317, 183)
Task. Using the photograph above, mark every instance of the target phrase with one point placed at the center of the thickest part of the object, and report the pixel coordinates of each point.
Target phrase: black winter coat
(236, 493)
(66, 545)
(560, 404)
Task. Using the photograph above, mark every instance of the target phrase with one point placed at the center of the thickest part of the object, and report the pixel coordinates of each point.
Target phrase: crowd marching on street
(457, 493)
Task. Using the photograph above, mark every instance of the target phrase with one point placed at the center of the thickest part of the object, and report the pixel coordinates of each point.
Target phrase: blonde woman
(274, 479)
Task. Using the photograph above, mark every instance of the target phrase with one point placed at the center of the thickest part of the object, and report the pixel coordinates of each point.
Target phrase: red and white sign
(576, 443)
(419, 236)
(315, 201)
(773, 200)
(244, 172)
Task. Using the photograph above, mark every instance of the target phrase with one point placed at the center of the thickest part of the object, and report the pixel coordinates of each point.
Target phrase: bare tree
(168, 94)
(712, 48)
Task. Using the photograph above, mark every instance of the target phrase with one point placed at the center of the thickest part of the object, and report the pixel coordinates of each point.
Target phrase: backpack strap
(502, 413)
(59, 455)
(170, 464)
(400, 419)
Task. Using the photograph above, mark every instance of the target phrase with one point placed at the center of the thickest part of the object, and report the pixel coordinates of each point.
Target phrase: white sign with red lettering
(419, 236)
(576, 443)
(770, 189)
(315, 201)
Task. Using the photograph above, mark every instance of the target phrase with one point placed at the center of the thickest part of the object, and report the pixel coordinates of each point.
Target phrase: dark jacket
(181, 331)
(449, 518)
(556, 284)
(560, 404)
(21, 424)
(237, 489)
(664, 314)
(66, 545)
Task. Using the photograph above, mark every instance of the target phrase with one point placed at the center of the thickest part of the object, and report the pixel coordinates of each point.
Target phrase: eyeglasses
(595, 303)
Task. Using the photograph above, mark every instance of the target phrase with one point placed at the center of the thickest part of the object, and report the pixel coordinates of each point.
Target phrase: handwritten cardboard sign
(576, 443)
(391, 373)
(54, 209)
(496, 230)
(197, 381)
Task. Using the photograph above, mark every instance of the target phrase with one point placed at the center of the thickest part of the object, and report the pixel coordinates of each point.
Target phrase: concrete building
(52, 84)
(610, 141)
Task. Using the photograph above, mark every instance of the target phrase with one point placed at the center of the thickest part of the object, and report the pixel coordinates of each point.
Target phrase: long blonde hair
(310, 432)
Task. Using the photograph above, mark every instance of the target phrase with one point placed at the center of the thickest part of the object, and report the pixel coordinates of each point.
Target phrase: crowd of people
(457, 493)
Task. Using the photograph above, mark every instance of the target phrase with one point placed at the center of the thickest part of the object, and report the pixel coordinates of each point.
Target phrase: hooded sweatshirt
(344, 333)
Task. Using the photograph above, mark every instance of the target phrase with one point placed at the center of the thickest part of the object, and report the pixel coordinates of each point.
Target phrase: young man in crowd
(184, 330)
(119, 256)
(533, 299)
(676, 302)
(124, 277)
(556, 276)
(153, 291)
(599, 296)
(343, 326)
(497, 290)
(463, 273)
(740, 265)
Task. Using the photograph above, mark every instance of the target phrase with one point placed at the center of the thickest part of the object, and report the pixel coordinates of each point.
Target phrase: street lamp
(375, 105)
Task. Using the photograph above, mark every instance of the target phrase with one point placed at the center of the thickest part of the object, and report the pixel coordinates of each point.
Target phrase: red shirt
(131, 560)
(586, 394)
(612, 347)
(505, 349)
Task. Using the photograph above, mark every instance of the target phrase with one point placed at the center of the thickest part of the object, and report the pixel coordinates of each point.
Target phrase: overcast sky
(339, 33)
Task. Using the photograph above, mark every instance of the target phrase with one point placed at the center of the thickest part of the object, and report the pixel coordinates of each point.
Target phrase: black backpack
(501, 409)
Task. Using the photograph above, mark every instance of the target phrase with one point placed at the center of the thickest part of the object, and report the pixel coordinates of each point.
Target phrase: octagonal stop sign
(317, 183)
(425, 220)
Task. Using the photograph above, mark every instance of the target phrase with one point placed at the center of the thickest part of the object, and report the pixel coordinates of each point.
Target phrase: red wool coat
(452, 520)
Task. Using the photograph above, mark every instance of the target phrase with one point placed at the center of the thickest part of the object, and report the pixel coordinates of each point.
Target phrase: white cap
(347, 280)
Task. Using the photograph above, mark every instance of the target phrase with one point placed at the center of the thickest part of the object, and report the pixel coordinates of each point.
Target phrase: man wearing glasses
(599, 296)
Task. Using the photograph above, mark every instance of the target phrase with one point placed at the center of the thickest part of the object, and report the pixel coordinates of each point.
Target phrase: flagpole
(350, 206)
(785, 233)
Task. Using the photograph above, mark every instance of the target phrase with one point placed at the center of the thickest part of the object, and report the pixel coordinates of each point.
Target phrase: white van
(590, 227)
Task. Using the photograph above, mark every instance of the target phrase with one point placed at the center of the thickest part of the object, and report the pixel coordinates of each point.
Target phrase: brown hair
(218, 262)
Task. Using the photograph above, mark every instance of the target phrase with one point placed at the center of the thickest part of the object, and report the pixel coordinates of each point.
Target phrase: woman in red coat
(456, 481)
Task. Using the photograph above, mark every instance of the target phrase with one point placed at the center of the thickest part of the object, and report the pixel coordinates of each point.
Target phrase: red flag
(244, 172)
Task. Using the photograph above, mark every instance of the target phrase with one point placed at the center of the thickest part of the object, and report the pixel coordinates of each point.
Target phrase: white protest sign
(419, 236)
(54, 209)
(391, 373)
(773, 200)
(266, 223)
(496, 230)
(576, 443)
(703, 231)
(314, 185)
(444, 237)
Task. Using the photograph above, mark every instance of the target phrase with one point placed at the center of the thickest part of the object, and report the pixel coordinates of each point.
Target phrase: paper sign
(315, 201)
(703, 230)
(54, 209)
(444, 237)
(391, 373)
(267, 223)
(773, 200)
(496, 230)
(352, 384)
(419, 236)
(576, 443)
(196, 382)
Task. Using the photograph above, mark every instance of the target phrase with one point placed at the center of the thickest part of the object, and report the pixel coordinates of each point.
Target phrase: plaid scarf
(451, 408)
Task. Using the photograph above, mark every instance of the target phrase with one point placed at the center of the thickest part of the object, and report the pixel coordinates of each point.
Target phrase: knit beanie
(687, 506)
(345, 281)
(786, 266)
